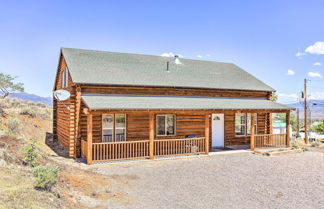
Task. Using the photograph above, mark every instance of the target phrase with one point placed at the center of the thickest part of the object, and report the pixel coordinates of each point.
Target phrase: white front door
(218, 130)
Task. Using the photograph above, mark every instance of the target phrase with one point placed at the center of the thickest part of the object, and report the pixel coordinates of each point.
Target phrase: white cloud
(207, 55)
(287, 98)
(316, 95)
(290, 72)
(314, 74)
(317, 64)
(199, 56)
(170, 54)
(299, 54)
(317, 48)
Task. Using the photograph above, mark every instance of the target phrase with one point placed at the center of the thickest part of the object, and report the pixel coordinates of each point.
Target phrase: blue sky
(262, 37)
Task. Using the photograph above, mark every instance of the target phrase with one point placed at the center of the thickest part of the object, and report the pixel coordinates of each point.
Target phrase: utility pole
(298, 122)
(305, 111)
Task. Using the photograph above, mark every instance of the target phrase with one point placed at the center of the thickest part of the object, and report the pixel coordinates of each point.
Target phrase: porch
(163, 128)
(156, 147)
(127, 150)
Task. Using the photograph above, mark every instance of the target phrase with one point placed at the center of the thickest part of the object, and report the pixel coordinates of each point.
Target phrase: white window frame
(66, 77)
(123, 128)
(246, 124)
(114, 128)
(63, 79)
(165, 124)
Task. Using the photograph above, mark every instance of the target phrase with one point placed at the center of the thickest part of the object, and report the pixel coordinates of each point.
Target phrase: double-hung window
(243, 124)
(113, 127)
(65, 78)
(165, 125)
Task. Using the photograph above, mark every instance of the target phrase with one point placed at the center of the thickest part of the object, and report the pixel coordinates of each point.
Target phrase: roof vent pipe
(177, 60)
(167, 69)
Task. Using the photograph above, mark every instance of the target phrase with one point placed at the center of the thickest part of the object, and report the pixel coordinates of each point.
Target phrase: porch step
(277, 152)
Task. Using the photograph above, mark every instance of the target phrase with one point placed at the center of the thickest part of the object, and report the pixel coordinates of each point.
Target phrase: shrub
(45, 176)
(13, 124)
(295, 145)
(316, 144)
(305, 149)
(28, 111)
(30, 157)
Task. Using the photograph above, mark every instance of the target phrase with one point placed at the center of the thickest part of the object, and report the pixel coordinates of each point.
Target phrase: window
(243, 124)
(113, 127)
(165, 125)
(65, 78)
(62, 78)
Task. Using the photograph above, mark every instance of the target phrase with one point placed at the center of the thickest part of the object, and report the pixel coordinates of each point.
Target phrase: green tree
(274, 96)
(293, 119)
(8, 85)
(319, 128)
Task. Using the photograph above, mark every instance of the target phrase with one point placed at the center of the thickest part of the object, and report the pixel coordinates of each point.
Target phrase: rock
(2, 153)
(3, 163)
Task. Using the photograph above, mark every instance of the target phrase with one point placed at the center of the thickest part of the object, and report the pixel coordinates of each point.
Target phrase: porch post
(89, 138)
(207, 133)
(252, 133)
(288, 129)
(151, 128)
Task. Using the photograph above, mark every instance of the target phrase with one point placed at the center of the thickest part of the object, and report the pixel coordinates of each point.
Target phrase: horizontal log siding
(137, 126)
(231, 139)
(64, 119)
(172, 91)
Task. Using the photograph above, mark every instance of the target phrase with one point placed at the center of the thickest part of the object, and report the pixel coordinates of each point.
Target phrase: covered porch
(191, 132)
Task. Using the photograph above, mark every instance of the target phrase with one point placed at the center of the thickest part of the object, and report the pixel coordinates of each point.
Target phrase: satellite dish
(61, 95)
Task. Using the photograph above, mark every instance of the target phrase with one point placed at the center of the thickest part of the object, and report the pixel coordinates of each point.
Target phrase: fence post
(207, 133)
(252, 145)
(151, 128)
(89, 138)
(288, 129)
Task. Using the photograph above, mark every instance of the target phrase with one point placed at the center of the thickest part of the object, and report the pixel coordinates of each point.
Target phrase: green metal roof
(111, 68)
(132, 102)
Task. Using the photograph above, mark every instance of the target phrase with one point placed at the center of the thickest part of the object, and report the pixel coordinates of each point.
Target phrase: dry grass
(24, 119)
(17, 191)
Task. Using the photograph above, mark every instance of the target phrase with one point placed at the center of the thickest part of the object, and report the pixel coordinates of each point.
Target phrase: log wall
(63, 118)
(87, 89)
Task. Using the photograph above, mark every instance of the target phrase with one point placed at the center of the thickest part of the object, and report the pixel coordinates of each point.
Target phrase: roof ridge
(94, 50)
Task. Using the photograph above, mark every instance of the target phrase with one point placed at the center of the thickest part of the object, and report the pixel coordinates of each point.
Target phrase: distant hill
(316, 107)
(32, 98)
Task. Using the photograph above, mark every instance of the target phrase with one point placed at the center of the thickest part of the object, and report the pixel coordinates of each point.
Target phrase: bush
(13, 124)
(45, 177)
(305, 149)
(28, 111)
(295, 145)
(31, 155)
(316, 144)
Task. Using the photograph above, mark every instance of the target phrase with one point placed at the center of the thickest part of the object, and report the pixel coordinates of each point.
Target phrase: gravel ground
(222, 181)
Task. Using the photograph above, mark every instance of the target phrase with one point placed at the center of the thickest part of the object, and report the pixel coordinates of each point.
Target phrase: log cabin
(127, 106)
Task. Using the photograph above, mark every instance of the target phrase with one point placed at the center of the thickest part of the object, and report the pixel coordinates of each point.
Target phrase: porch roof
(142, 102)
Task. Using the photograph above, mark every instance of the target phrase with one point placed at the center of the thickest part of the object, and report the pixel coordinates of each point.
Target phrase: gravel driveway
(221, 181)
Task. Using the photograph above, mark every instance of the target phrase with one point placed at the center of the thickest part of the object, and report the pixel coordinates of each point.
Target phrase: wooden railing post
(207, 133)
(89, 138)
(252, 133)
(288, 129)
(151, 128)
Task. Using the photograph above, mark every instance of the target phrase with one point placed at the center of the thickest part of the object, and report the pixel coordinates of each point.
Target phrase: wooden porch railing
(165, 147)
(270, 140)
(106, 151)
